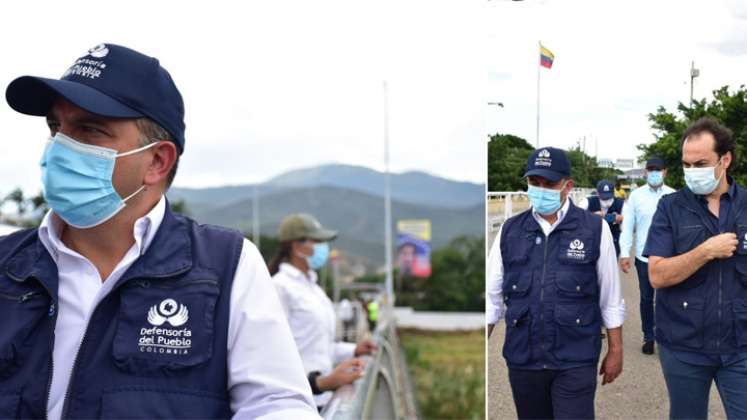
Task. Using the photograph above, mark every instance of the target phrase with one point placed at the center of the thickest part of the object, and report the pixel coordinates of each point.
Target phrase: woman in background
(303, 249)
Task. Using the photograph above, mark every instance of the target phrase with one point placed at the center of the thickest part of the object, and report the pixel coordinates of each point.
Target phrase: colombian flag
(546, 57)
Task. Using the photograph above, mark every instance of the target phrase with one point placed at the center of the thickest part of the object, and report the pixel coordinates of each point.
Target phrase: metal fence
(385, 390)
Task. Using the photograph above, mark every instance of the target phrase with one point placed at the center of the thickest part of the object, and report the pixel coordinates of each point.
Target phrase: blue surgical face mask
(702, 181)
(544, 200)
(77, 181)
(655, 178)
(319, 257)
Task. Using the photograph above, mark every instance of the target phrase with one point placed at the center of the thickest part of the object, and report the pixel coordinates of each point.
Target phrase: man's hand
(599, 213)
(612, 365)
(720, 246)
(365, 347)
(618, 218)
(625, 264)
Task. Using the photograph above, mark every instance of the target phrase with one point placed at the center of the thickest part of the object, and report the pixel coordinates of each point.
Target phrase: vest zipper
(65, 405)
(53, 314)
(542, 299)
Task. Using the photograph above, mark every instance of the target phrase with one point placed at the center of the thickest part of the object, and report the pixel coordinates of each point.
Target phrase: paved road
(639, 393)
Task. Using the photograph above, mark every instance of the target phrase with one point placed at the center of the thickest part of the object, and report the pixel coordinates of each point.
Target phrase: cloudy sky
(615, 62)
(276, 85)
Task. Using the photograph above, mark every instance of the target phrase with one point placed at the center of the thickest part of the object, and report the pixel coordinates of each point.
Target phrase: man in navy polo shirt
(607, 206)
(697, 257)
(116, 307)
(554, 269)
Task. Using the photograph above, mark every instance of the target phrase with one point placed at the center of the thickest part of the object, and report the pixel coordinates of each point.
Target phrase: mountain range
(348, 199)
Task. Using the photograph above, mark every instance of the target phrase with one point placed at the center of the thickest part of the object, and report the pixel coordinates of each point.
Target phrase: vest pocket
(688, 237)
(578, 337)
(741, 268)
(740, 321)
(165, 326)
(575, 283)
(149, 403)
(516, 283)
(686, 321)
(518, 324)
(22, 310)
(9, 403)
(742, 238)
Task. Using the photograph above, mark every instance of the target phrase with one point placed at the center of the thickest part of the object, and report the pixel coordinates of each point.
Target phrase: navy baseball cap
(111, 81)
(549, 163)
(655, 163)
(605, 189)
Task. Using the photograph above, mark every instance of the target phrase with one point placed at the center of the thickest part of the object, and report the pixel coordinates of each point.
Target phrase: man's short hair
(151, 132)
(722, 134)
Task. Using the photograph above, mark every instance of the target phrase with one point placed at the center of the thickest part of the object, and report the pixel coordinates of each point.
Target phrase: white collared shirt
(637, 215)
(265, 375)
(611, 301)
(311, 316)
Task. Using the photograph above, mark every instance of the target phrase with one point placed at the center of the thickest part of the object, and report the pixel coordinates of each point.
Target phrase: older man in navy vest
(554, 269)
(697, 261)
(116, 307)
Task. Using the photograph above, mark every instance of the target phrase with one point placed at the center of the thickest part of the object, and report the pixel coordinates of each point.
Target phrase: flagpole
(539, 68)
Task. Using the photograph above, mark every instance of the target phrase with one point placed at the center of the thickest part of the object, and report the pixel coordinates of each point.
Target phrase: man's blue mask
(77, 181)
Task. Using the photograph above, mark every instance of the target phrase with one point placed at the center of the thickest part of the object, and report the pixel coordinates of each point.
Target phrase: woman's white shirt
(311, 316)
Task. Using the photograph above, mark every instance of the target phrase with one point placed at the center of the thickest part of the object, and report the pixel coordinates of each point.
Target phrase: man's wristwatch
(312, 381)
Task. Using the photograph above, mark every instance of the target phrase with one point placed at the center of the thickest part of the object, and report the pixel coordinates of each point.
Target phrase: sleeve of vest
(494, 282)
(266, 377)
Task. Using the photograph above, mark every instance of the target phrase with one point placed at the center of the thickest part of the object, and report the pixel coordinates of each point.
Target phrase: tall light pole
(693, 74)
(387, 204)
(255, 215)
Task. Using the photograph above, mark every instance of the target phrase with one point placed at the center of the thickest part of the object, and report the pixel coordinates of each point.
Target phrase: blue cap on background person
(110, 81)
(655, 163)
(605, 189)
(549, 163)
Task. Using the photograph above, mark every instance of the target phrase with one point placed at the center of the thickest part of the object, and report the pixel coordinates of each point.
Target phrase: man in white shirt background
(637, 215)
(124, 308)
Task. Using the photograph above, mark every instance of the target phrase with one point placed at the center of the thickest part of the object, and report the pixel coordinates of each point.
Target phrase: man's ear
(164, 156)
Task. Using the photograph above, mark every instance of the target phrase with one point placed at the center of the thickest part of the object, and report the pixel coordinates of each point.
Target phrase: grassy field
(448, 371)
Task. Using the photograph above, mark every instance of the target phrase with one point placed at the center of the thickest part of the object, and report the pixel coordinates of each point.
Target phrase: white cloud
(275, 85)
(615, 62)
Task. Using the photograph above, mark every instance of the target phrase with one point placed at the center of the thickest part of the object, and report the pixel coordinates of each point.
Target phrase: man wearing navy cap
(637, 215)
(116, 307)
(607, 206)
(554, 269)
(697, 261)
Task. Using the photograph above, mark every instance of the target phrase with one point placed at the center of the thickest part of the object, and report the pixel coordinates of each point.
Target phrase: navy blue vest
(155, 347)
(551, 291)
(616, 207)
(707, 313)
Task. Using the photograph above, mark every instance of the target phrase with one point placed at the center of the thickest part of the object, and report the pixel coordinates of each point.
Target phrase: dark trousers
(647, 300)
(689, 387)
(554, 394)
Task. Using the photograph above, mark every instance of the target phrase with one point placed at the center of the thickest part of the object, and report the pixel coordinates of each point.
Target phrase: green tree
(730, 108)
(179, 206)
(507, 160)
(16, 196)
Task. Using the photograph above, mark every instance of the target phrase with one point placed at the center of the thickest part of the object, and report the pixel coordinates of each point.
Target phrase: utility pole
(387, 205)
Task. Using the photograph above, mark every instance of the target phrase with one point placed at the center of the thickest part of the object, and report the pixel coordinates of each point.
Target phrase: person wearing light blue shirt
(637, 215)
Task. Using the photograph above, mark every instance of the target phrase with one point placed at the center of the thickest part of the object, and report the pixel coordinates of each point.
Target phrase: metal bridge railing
(385, 391)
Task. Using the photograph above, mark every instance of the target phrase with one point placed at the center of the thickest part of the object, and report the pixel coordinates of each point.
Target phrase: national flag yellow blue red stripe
(546, 57)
